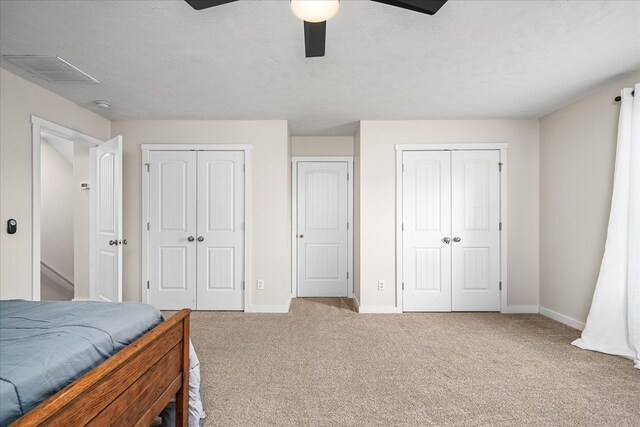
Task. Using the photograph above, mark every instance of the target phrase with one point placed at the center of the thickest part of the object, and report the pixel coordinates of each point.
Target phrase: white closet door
(107, 211)
(322, 229)
(475, 231)
(220, 238)
(427, 226)
(172, 222)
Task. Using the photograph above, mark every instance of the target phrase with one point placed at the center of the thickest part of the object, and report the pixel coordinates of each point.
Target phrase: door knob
(456, 239)
(301, 236)
(446, 240)
(124, 241)
(191, 238)
(113, 243)
(200, 239)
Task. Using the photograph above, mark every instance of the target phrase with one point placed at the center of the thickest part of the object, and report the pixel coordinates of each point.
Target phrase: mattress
(44, 346)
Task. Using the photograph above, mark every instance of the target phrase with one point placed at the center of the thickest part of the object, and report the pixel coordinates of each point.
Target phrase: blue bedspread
(44, 346)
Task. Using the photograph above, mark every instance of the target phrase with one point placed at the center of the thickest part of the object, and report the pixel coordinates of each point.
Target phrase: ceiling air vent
(50, 68)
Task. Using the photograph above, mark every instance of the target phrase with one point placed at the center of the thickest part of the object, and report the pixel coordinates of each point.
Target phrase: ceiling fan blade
(430, 7)
(204, 4)
(315, 34)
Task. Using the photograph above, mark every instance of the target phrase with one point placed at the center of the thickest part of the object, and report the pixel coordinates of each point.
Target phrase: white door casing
(172, 224)
(322, 229)
(475, 221)
(426, 234)
(220, 229)
(106, 209)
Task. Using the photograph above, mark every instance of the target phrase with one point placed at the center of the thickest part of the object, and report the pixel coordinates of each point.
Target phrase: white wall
(560, 177)
(270, 235)
(56, 211)
(577, 156)
(81, 212)
(289, 198)
(356, 215)
(309, 146)
(377, 198)
(19, 99)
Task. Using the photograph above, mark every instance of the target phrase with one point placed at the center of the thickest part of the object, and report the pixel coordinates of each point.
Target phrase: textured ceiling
(245, 60)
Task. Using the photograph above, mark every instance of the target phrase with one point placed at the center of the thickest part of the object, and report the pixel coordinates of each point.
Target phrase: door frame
(294, 218)
(502, 148)
(146, 148)
(37, 126)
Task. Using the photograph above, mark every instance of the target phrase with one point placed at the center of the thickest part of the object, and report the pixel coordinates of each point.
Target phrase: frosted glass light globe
(315, 10)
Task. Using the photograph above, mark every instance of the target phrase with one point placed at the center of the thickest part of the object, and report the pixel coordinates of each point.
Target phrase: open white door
(106, 221)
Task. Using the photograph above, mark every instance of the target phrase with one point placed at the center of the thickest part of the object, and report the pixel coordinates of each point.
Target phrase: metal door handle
(456, 239)
(124, 241)
(446, 240)
(200, 239)
(191, 238)
(113, 243)
(301, 236)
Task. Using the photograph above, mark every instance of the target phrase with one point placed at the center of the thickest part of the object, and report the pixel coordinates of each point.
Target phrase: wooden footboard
(130, 388)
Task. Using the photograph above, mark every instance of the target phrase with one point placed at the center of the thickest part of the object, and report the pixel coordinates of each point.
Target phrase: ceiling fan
(315, 13)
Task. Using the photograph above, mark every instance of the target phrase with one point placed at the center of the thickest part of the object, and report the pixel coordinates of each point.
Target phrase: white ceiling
(245, 60)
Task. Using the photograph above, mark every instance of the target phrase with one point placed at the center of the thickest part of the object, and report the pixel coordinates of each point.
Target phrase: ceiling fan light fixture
(315, 10)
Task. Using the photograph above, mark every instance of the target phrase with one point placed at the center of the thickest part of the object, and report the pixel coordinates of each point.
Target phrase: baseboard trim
(562, 318)
(378, 309)
(81, 299)
(521, 309)
(355, 299)
(284, 308)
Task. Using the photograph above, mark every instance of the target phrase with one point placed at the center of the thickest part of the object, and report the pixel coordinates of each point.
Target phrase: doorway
(322, 217)
(62, 207)
(76, 197)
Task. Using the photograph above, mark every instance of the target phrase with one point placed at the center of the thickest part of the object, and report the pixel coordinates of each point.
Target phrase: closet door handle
(191, 238)
(113, 243)
(200, 239)
(456, 239)
(446, 240)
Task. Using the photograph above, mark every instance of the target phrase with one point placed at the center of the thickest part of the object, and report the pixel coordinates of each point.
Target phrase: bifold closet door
(475, 220)
(172, 224)
(220, 227)
(426, 187)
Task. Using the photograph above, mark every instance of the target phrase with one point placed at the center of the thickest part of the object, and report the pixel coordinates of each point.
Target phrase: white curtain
(613, 325)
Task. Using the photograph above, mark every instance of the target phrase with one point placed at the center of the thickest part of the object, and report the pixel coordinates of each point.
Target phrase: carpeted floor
(323, 364)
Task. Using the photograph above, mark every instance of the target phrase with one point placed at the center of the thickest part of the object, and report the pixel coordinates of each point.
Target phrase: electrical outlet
(381, 285)
(260, 285)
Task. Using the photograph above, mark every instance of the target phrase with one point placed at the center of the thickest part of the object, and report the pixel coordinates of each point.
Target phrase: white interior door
(220, 228)
(475, 224)
(322, 229)
(172, 229)
(426, 211)
(106, 212)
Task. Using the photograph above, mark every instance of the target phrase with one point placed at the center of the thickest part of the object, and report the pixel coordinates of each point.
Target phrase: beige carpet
(322, 364)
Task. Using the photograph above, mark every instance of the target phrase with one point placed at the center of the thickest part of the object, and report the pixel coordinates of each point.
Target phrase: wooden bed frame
(130, 388)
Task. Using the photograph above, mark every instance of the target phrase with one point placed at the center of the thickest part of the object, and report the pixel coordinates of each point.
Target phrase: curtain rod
(619, 98)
